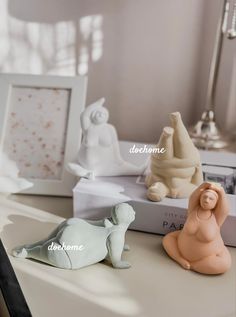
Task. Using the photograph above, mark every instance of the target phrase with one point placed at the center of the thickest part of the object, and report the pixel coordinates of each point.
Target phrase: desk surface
(153, 286)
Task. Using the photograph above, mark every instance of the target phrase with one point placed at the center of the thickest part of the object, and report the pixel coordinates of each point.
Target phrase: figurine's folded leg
(50, 252)
(166, 143)
(183, 145)
(214, 264)
(20, 252)
(120, 168)
(31, 250)
(197, 178)
(157, 191)
(58, 257)
(180, 188)
(170, 244)
(151, 179)
(80, 171)
(131, 169)
(126, 247)
(52, 235)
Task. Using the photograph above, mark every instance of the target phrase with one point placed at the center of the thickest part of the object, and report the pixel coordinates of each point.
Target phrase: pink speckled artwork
(36, 131)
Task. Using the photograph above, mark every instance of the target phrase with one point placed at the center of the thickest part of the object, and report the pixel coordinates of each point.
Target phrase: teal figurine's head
(122, 214)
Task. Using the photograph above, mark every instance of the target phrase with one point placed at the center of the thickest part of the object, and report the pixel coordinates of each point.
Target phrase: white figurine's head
(123, 214)
(100, 116)
(208, 199)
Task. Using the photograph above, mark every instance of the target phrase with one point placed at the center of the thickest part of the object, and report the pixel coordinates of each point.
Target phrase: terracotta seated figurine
(199, 245)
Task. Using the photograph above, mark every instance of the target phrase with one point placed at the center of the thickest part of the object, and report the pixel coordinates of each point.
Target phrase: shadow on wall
(41, 38)
(142, 58)
(56, 10)
(61, 38)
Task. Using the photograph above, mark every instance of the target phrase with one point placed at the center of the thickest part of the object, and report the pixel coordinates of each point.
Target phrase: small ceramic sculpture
(77, 243)
(99, 154)
(176, 172)
(9, 180)
(199, 246)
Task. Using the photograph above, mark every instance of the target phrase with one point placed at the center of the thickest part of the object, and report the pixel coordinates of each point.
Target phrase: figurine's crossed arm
(194, 198)
(222, 207)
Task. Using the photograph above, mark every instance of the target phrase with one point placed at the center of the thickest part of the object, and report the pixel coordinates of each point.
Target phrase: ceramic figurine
(199, 246)
(9, 180)
(99, 154)
(77, 243)
(176, 172)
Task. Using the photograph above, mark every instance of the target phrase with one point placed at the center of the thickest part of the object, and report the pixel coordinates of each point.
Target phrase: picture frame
(40, 128)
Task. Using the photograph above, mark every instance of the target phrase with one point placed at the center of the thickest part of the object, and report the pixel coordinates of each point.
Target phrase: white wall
(146, 57)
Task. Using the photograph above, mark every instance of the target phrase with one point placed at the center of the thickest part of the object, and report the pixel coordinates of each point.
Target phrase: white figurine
(9, 180)
(99, 154)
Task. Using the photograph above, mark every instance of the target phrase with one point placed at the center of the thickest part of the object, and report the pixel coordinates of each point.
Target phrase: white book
(94, 199)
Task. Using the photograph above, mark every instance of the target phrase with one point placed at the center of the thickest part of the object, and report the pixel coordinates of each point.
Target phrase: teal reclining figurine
(77, 243)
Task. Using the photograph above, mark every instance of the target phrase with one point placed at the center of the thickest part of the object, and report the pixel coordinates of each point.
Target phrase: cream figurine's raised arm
(99, 154)
(199, 245)
(177, 172)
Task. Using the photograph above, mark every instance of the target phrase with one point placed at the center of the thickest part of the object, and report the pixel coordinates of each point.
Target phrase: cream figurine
(199, 245)
(99, 154)
(177, 172)
(77, 243)
(10, 182)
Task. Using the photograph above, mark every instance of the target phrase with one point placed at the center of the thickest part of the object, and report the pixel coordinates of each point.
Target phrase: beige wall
(146, 57)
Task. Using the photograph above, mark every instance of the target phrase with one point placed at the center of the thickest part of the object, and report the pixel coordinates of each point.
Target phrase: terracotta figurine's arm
(195, 196)
(222, 207)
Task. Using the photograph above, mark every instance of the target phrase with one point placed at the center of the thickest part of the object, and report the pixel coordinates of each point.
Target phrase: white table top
(153, 286)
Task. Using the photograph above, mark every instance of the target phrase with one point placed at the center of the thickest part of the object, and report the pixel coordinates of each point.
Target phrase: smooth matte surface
(99, 154)
(154, 286)
(77, 243)
(176, 172)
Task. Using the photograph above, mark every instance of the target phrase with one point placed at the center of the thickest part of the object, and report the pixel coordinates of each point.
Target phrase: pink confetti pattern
(36, 131)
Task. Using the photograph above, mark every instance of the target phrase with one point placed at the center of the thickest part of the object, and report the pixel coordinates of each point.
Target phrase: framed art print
(40, 128)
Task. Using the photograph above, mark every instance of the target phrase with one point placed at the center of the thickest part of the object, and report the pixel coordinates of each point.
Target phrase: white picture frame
(42, 148)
